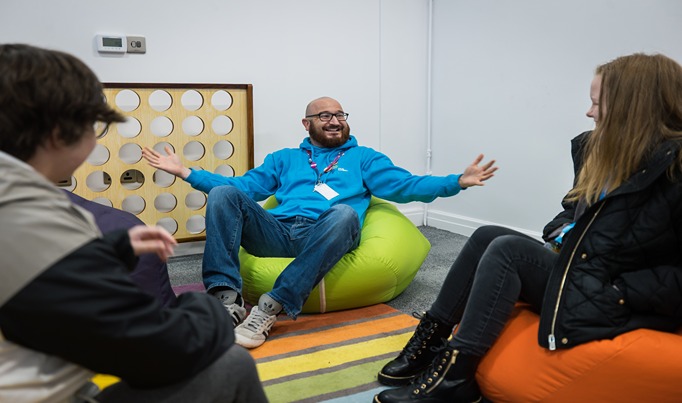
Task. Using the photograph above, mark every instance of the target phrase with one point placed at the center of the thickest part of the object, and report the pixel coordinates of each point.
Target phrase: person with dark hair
(68, 306)
(612, 260)
(323, 189)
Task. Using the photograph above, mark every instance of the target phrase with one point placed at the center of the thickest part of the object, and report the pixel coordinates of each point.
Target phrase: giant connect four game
(209, 126)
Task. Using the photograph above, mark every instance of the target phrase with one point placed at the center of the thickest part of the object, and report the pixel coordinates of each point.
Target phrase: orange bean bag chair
(639, 366)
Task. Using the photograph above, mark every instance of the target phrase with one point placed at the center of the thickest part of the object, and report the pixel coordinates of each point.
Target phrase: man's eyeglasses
(101, 129)
(326, 116)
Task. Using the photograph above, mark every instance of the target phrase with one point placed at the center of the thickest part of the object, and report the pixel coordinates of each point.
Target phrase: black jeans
(496, 268)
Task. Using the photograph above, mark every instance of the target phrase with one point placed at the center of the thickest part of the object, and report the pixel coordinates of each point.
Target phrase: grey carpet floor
(418, 296)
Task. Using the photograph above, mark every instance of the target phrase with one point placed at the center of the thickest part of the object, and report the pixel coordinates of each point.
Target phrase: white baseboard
(466, 225)
(414, 214)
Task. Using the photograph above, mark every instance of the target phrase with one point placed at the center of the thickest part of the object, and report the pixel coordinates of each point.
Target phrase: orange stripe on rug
(338, 333)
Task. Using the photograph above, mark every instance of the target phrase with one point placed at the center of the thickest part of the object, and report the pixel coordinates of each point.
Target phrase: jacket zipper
(551, 339)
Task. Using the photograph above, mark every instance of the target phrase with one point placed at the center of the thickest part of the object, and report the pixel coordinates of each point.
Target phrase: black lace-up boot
(451, 377)
(417, 353)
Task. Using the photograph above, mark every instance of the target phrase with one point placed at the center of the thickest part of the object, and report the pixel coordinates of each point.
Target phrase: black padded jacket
(620, 267)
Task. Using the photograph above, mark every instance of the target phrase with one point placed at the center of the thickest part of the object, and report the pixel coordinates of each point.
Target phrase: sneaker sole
(247, 342)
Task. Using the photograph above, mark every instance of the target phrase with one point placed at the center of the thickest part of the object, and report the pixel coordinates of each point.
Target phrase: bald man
(323, 188)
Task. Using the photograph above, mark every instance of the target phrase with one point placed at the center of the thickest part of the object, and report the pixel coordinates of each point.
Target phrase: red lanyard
(329, 167)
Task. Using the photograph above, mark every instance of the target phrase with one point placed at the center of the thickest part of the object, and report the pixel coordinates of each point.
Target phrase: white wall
(511, 79)
(368, 54)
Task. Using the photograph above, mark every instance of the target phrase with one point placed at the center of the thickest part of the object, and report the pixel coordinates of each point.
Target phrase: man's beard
(317, 134)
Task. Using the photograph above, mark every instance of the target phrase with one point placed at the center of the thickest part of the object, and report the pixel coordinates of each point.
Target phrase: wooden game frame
(122, 171)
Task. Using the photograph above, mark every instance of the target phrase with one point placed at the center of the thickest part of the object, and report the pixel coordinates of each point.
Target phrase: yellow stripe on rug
(329, 354)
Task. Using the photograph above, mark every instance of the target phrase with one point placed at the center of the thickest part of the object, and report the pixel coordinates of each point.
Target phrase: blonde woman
(612, 261)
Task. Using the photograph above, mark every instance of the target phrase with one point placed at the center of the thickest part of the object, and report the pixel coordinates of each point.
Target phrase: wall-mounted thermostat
(111, 43)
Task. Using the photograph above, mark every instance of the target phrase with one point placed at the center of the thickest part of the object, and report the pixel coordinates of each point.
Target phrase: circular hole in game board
(68, 184)
(161, 126)
(160, 147)
(132, 179)
(160, 100)
(165, 202)
(103, 201)
(192, 100)
(98, 181)
(196, 224)
(99, 155)
(133, 204)
(221, 100)
(192, 125)
(163, 178)
(195, 200)
(168, 224)
(193, 150)
(127, 100)
(130, 128)
(222, 125)
(130, 153)
(101, 129)
(225, 170)
(223, 149)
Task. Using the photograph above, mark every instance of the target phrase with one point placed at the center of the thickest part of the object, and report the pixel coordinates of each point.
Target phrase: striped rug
(331, 357)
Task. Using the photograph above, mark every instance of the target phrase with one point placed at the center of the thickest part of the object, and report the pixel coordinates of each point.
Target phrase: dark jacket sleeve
(87, 310)
(567, 215)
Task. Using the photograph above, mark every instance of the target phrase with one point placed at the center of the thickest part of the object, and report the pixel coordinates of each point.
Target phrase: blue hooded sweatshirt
(359, 173)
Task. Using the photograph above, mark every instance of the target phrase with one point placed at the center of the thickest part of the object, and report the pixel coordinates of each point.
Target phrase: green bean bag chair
(391, 251)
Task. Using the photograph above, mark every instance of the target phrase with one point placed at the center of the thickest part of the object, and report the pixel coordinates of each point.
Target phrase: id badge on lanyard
(326, 191)
(321, 187)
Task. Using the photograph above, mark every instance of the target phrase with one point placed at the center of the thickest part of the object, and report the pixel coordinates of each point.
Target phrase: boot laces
(422, 334)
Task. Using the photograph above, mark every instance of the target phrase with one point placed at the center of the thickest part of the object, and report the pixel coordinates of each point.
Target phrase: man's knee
(225, 197)
(220, 193)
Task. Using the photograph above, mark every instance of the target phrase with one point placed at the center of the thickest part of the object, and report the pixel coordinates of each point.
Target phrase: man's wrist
(459, 182)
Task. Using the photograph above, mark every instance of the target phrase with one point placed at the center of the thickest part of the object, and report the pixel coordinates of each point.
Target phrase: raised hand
(169, 163)
(475, 175)
(145, 239)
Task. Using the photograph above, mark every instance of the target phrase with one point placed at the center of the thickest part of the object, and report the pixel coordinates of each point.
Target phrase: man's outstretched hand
(475, 175)
(169, 163)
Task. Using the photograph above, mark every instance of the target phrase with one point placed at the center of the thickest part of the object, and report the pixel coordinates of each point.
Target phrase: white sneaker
(255, 329)
(238, 313)
(235, 309)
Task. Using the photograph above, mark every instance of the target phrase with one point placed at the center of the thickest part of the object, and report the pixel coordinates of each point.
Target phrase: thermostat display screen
(113, 42)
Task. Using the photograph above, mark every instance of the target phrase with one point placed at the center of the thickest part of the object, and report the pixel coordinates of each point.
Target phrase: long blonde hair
(640, 107)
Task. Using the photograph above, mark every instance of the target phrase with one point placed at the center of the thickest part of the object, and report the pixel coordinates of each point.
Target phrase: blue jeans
(234, 219)
(496, 268)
